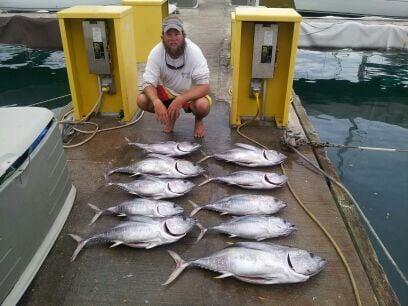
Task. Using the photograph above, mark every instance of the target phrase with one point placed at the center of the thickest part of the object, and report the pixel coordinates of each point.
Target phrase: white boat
(36, 195)
(383, 8)
(52, 5)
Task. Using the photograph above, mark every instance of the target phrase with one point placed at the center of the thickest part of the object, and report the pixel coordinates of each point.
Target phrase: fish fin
(116, 243)
(81, 243)
(121, 215)
(259, 281)
(232, 236)
(261, 238)
(180, 266)
(224, 275)
(224, 213)
(204, 159)
(203, 230)
(206, 182)
(262, 246)
(98, 213)
(132, 143)
(247, 146)
(196, 208)
(160, 156)
(151, 245)
(137, 245)
(151, 177)
(141, 219)
(135, 174)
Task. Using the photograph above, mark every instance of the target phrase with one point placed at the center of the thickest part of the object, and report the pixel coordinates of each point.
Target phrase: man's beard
(175, 53)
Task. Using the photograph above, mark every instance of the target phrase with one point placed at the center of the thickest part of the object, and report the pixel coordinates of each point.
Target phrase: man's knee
(201, 106)
(142, 101)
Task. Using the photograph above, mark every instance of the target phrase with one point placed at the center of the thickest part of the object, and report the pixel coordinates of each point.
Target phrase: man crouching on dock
(176, 77)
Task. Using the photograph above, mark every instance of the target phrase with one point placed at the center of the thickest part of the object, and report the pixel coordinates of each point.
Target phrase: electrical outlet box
(96, 44)
(101, 38)
(263, 59)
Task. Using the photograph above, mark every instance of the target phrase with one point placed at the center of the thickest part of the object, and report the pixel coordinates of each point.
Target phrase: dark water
(29, 76)
(355, 98)
(361, 98)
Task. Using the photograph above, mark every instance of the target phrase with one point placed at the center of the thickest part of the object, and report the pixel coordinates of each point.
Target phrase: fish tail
(98, 213)
(80, 246)
(112, 171)
(206, 182)
(119, 170)
(107, 179)
(196, 207)
(203, 230)
(180, 266)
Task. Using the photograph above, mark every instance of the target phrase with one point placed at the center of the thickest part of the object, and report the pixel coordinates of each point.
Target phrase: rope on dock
(84, 121)
(296, 140)
(309, 213)
(49, 100)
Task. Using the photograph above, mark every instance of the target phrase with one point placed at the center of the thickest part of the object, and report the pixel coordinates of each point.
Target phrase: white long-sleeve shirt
(194, 72)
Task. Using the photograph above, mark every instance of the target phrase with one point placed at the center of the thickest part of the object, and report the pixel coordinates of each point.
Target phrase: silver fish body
(251, 156)
(251, 179)
(141, 207)
(169, 148)
(142, 232)
(257, 263)
(163, 167)
(155, 188)
(243, 204)
(254, 227)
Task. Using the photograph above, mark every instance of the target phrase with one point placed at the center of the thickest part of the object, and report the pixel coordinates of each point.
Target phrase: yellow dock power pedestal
(148, 16)
(99, 50)
(263, 53)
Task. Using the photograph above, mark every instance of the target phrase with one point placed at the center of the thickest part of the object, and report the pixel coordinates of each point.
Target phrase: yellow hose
(308, 212)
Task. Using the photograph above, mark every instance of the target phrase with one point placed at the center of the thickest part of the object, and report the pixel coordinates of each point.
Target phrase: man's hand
(160, 111)
(174, 108)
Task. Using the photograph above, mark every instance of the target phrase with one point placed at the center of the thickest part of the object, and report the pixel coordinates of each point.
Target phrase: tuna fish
(243, 204)
(155, 188)
(257, 263)
(251, 179)
(250, 156)
(253, 227)
(142, 207)
(169, 148)
(141, 232)
(162, 166)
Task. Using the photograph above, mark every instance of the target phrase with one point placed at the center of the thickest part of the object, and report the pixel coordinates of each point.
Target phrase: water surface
(360, 98)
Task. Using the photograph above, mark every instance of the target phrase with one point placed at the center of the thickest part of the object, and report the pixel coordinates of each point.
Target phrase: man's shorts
(167, 97)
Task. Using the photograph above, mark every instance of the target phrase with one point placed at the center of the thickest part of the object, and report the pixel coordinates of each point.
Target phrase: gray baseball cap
(172, 22)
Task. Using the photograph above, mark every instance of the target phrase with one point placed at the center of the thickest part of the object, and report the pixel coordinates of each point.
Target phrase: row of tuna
(151, 221)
